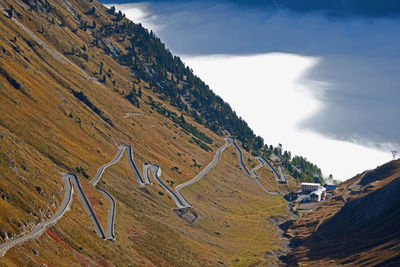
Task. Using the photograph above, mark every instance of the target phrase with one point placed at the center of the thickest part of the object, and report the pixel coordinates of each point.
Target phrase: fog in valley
(325, 87)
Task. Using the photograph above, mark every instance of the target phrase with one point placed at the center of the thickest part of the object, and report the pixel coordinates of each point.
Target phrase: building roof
(312, 184)
(319, 191)
(330, 186)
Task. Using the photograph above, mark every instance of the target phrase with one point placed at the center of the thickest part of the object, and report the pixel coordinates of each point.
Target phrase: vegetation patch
(83, 98)
(186, 126)
(13, 82)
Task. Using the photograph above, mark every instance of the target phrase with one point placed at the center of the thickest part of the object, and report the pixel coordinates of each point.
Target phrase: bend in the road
(100, 171)
(133, 165)
(111, 216)
(39, 229)
(253, 173)
(255, 176)
(87, 206)
(278, 178)
(156, 172)
(240, 156)
(180, 201)
(203, 172)
(97, 177)
(146, 173)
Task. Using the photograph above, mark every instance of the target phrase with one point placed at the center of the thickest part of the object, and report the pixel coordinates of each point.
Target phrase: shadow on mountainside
(362, 229)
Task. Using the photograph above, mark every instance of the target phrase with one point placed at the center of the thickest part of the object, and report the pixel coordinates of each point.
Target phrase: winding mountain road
(180, 201)
(112, 205)
(86, 205)
(203, 172)
(283, 175)
(39, 229)
(255, 176)
(156, 172)
(116, 158)
(253, 173)
(240, 156)
(111, 216)
(278, 178)
(69, 179)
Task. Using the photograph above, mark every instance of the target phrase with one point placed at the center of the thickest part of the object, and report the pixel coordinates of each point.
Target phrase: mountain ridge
(69, 98)
(77, 83)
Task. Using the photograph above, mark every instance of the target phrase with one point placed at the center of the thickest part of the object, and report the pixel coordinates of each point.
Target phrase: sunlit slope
(66, 103)
(234, 213)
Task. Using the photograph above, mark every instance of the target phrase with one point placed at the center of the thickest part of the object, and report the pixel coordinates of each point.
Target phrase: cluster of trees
(134, 95)
(298, 167)
(309, 171)
(10, 79)
(84, 99)
(191, 129)
(168, 76)
(152, 62)
(199, 137)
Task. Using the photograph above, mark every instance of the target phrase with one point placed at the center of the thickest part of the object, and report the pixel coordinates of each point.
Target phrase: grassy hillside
(357, 227)
(76, 81)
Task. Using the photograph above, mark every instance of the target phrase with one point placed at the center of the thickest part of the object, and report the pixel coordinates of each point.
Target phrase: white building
(319, 194)
(309, 187)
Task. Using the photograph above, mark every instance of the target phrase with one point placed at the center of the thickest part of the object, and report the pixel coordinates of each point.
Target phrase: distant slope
(357, 227)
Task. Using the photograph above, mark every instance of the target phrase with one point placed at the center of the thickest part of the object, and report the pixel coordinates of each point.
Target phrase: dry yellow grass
(45, 130)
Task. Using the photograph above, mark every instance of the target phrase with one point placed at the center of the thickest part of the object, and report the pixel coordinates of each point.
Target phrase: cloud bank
(355, 79)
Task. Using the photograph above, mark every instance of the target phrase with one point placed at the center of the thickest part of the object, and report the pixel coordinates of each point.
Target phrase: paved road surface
(146, 173)
(39, 229)
(180, 202)
(240, 156)
(112, 205)
(203, 172)
(254, 175)
(156, 172)
(87, 205)
(278, 178)
(116, 158)
(111, 216)
(283, 175)
(133, 165)
(280, 168)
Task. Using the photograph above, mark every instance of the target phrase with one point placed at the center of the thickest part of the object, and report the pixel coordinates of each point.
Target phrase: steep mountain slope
(357, 227)
(76, 82)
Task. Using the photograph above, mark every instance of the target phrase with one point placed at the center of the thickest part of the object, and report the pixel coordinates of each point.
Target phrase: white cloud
(332, 95)
(270, 92)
